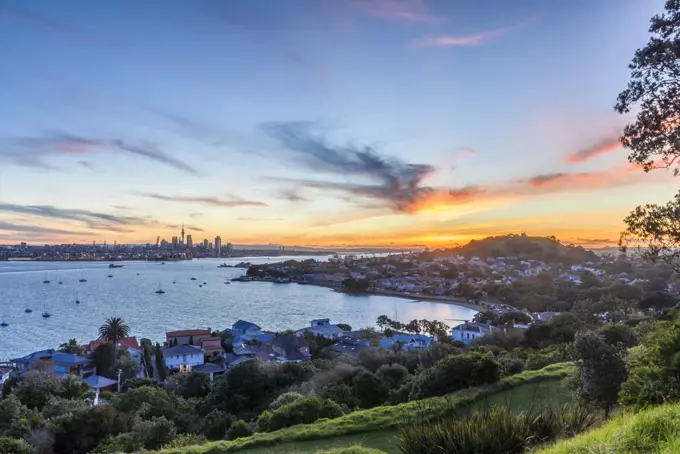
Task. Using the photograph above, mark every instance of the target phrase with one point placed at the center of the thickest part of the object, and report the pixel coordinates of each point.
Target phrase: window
(184, 358)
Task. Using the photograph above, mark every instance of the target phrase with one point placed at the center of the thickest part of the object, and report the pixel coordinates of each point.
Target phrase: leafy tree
(127, 365)
(353, 285)
(72, 346)
(370, 390)
(340, 393)
(14, 446)
(146, 401)
(189, 385)
(383, 322)
(285, 399)
(15, 418)
(161, 369)
(238, 430)
(301, 411)
(600, 371)
(393, 375)
(133, 383)
(614, 334)
(344, 326)
(113, 329)
(147, 347)
(36, 388)
(81, 431)
(103, 361)
(59, 406)
(74, 388)
(215, 424)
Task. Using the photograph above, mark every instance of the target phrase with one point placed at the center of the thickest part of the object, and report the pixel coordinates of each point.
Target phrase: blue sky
(317, 122)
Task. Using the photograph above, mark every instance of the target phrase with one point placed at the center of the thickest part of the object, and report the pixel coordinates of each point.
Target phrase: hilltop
(523, 247)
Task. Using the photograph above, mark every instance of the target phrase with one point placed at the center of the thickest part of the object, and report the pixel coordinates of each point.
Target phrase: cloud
(602, 146)
(120, 207)
(400, 10)
(34, 229)
(210, 201)
(86, 164)
(94, 220)
(319, 73)
(583, 180)
(292, 195)
(467, 40)
(260, 219)
(186, 227)
(30, 151)
(195, 215)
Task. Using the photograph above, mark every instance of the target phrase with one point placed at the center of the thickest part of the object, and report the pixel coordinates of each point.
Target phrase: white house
(183, 357)
(321, 327)
(468, 331)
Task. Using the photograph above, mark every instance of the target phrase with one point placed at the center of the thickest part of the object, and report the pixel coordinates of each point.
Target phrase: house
(244, 328)
(290, 349)
(407, 341)
(186, 337)
(465, 332)
(321, 327)
(212, 346)
(127, 343)
(54, 362)
(4, 374)
(183, 357)
(350, 345)
(210, 369)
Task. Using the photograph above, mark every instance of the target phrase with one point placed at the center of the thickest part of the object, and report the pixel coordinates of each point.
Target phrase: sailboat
(160, 291)
(77, 299)
(45, 313)
(28, 310)
(46, 281)
(4, 323)
(82, 278)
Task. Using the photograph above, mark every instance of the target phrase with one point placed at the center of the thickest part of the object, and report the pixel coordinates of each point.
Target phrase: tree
(344, 326)
(614, 334)
(215, 424)
(146, 401)
(161, 369)
(82, 430)
(370, 390)
(112, 331)
(155, 432)
(127, 365)
(383, 322)
(239, 429)
(74, 388)
(147, 359)
(14, 446)
(600, 371)
(36, 388)
(189, 385)
(72, 346)
(103, 361)
(394, 375)
(654, 86)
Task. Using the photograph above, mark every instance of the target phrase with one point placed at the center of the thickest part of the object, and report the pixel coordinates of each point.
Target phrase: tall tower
(182, 232)
(218, 246)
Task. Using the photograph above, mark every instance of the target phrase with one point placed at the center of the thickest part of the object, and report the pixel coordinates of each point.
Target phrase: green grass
(356, 426)
(653, 431)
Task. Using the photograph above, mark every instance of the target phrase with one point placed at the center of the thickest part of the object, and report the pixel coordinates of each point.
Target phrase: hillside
(379, 423)
(547, 249)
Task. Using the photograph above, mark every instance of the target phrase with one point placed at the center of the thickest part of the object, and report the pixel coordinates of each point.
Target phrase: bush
(58, 406)
(36, 388)
(494, 430)
(189, 385)
(147, 401)
(84, 429)
(127, 442)
(393, 375)
(618, 333)
(215, 425)
(15, 418)
(156, 432)
(14, 446)
(340, 393)
(370, 390)
(186, 440)
(302, 411)
(239, 429)
(284, 399)
(456, 372)
(511, 365)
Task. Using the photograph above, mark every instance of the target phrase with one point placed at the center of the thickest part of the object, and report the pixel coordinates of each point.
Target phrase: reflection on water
(130, 294)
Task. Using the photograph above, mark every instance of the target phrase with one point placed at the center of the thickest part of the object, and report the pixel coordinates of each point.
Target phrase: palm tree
(112, 331)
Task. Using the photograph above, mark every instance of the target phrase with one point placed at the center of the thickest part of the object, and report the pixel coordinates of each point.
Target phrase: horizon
(318, 124)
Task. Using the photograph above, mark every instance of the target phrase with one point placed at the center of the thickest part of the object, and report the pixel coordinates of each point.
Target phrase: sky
(318, 122)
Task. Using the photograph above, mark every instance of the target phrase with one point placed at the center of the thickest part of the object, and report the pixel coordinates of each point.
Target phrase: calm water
(184, 305)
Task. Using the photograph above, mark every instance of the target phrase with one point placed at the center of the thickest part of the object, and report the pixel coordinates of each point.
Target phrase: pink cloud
(404, 10)
(470, 40)
(603, 146)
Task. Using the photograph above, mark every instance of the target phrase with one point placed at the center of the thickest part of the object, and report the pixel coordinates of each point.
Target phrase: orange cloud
(470, 40)
(404, 10)
(603, 146)
(622, 176)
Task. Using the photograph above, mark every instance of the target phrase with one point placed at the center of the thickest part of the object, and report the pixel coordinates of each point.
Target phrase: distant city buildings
(205, 244)
(190, 242)
(218, 246)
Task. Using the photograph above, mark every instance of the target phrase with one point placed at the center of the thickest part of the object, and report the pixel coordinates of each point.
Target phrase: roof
(212, 347)
(181, 350)
(320, 320)
(208, 368)
(54, 356)
(4, 370)
(243, 325)
(211, 339)
(290, 346)
(126, 342)
(187, 332)
(99, 382)
(474, 327)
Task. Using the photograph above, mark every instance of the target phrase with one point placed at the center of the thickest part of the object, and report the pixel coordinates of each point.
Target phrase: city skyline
(318, 123)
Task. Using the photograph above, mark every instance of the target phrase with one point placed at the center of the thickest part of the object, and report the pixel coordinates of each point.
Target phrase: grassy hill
(522, 247)
(376, 427)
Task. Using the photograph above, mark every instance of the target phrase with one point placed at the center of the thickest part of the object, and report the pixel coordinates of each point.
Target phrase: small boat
(205, 283)
(60, 282)
(137, 274)
(82, 279)
(174, 282)
(193, 278)
(115, 266)
(46, 281)
(46, 315)
(28, 311)
(3, 324)
(110, 275)
(77, 299)
(200, 285)
(227, 282)
(162, 263)
(224, 265)
(160, 291)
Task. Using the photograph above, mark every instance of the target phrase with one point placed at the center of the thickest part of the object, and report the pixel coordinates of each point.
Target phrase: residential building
(407, 341)
(350, 345)
(212, 347)
(186, 337)
(466, 332)
(243, 327)
(183, 357)
(290, 349)
(321, 327)
(54, 362)
(210, 369)
(4, 374)
(127, 343)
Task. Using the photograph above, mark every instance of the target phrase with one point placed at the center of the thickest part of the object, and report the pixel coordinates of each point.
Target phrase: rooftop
(126, 342)
(99, 382)
(188, 332)
(182, 350)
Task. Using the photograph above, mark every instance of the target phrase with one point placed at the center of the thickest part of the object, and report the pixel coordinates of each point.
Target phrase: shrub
(393, 375)
(370, 390)
(511, 365)
(302, 411)
(618, 333)
(456, 372)
(189, 385)
(36, 388)
(127, 442)
(284, 399)
(239, 429)
(58, 406)
(156, 432)
(147, 401)
(84, 429)
(494, 430)
(262, 424)
(341, 394)
(186, 440)
(15, 418)
(215, 425)
(14, 446)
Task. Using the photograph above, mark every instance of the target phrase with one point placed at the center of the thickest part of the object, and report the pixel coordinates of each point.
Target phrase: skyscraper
(218, 246)
(230, 249)
(205, 244)
(182, 232)
(174, 242)
(190, 242)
